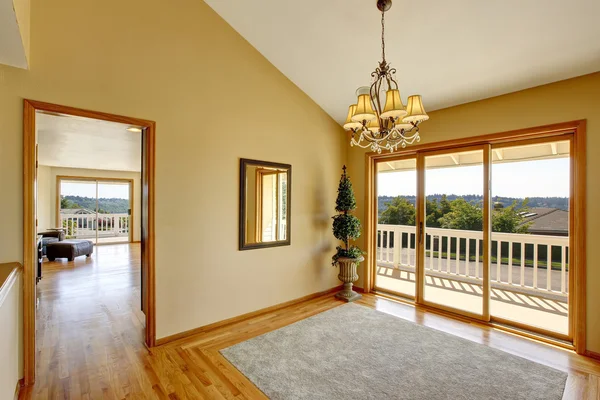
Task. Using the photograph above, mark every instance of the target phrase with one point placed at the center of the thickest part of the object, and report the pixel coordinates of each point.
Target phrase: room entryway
(89, 241)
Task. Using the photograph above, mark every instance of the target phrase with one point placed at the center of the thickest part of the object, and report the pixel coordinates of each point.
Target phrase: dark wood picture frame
(244, 162)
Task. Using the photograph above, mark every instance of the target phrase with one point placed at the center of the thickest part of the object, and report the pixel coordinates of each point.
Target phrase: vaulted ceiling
(450, 52)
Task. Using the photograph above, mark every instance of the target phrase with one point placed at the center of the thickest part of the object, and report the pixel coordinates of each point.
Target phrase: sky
(88, 189)
(541, 178)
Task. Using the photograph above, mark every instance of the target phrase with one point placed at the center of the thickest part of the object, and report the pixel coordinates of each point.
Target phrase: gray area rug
(354, 352)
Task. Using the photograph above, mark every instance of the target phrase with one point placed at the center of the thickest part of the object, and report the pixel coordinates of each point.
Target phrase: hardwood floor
(90, 339)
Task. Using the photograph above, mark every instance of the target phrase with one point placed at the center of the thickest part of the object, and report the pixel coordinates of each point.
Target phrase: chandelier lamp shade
(379, 120)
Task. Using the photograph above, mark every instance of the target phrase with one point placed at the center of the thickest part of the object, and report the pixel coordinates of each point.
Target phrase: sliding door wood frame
(374, 272)
(421, 228)
(575, 131)
(29, 220)
(130, 181)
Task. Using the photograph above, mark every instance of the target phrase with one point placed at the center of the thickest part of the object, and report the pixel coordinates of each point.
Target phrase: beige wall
(215, 99)
(11, 338)
(568, 100)
(46, 202)
(47, 199)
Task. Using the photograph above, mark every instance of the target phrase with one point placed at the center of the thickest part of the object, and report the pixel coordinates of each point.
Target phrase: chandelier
(393, 125)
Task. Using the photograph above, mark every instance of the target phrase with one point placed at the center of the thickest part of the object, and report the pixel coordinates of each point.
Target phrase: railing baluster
(535, 266)
(430, 252)
(397, 247)
(510, 262)
(448, 251)
(498, 259)
(387, 249)
(563, 269)
(439, 264)
(548, 267)
(467, 255)
(458, 256)
(523, 263)
(477, 258)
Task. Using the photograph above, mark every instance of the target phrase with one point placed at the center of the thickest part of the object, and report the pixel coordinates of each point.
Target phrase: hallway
(89, 325)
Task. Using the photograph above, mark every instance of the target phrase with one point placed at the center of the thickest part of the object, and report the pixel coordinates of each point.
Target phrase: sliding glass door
(78, 202)
(396, 185)
(483, 231)
(530, 235)
(453, 230)
(95, 209)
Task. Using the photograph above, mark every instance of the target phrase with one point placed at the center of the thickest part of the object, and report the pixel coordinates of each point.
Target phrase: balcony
(529, 273)
(111, 228)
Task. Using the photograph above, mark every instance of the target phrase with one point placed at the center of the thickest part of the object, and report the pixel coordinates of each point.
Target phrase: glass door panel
(396, 232)
(114, 212)
(453, 230)
(530, 235)
(77, 209)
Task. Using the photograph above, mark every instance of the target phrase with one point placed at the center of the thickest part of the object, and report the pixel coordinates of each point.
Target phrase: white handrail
(447, 249)
(82, 226)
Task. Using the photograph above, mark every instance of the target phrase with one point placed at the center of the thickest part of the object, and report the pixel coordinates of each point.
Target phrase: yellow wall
(573, 99)
(45, 202)
(215, 99)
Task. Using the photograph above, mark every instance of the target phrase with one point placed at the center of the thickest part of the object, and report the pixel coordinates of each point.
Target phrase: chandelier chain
(383, 35)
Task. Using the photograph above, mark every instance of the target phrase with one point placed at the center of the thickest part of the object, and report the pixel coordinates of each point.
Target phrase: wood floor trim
(592, 354)
(220, 324)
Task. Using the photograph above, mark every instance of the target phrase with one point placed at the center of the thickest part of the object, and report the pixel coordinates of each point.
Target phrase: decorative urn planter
(348, 275)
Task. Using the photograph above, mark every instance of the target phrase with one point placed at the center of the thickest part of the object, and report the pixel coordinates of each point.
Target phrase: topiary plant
(346, 227)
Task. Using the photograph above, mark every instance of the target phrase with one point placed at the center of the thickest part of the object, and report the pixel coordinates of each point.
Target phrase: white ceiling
(74, 142)
(450, 52)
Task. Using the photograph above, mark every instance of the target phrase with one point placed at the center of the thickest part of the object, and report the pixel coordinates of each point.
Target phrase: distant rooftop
(547, 221)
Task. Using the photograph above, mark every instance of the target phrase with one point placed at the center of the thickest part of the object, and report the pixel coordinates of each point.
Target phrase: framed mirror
(265, 207)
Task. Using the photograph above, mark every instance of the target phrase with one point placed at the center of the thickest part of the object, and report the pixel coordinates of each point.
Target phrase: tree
(399, 211)
(463, 215)
(346, 227)
(510, 219)
(67, 204)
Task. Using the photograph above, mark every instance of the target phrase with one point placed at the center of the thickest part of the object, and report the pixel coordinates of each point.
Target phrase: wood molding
(578, 236)
(29, 247)
(573, 131)
(239, 318)
(29, 217)
(493, 138)
(592, 354)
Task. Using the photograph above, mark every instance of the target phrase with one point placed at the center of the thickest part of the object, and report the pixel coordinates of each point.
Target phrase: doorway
(489, 229)
(100, 225)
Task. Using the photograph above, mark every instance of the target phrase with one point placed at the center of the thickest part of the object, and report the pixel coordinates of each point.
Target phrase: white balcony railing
(84, 226)
(536, 263)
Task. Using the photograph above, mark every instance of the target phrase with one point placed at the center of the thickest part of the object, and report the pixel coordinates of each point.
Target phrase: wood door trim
(575, 131)
(29, 213)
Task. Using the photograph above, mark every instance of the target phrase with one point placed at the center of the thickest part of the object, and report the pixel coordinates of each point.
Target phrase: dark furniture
(69, 249)
(51, 237)
(40, 258)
